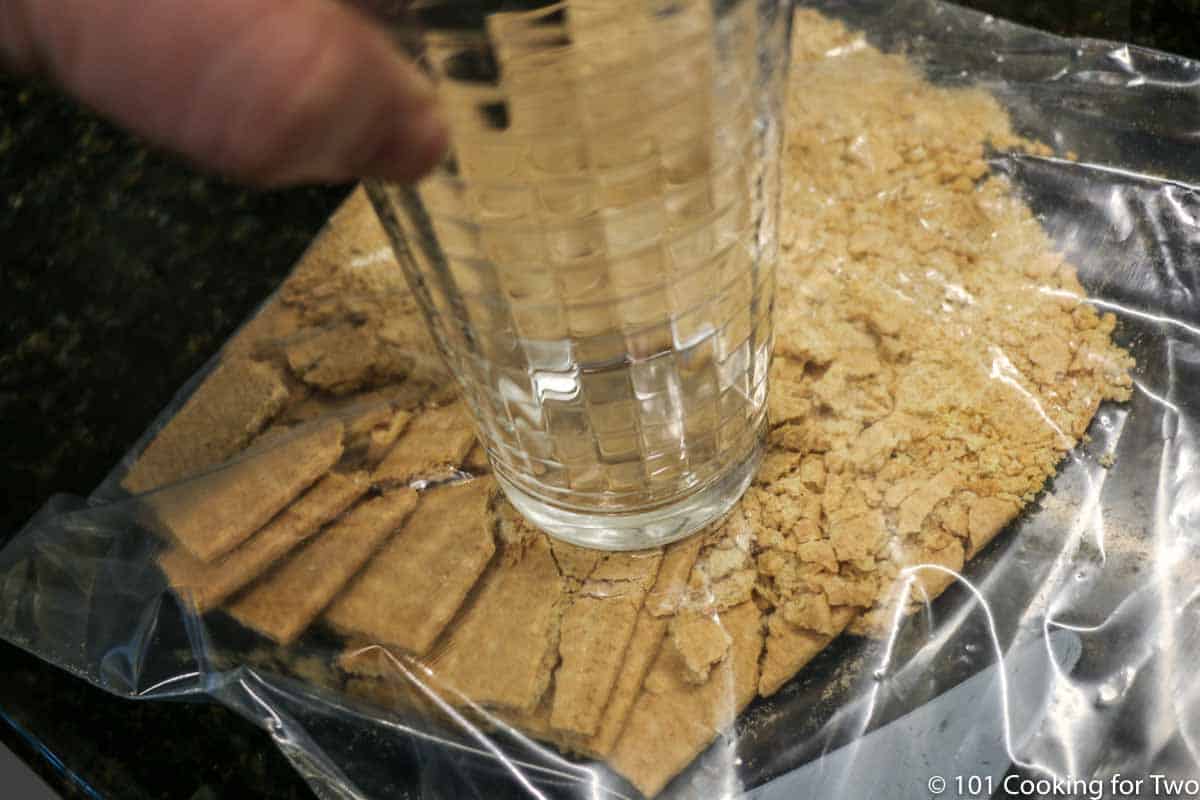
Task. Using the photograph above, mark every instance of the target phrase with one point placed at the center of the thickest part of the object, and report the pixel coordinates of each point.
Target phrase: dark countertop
(125, 269)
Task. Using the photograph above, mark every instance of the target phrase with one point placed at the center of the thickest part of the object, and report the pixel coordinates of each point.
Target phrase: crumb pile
(935, 360)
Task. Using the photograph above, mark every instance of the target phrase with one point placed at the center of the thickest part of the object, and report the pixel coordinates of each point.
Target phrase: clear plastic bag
(1063, 652)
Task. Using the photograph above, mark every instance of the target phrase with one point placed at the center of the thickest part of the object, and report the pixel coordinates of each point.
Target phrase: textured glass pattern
(596, 255)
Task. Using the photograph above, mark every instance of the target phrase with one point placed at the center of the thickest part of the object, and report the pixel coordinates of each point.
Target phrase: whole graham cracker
(416, 583)
(284, 603)
(207, 584)
(433, 444)
(211, 515)
(673, 720)
(233, 403)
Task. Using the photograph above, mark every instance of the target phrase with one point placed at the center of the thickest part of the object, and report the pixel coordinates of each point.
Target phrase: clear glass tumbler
(595, 257)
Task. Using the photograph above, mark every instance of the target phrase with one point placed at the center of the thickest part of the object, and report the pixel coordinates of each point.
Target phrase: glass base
(643, 529)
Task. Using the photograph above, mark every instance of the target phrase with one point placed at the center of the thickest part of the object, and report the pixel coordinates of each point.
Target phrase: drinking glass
(595, 255)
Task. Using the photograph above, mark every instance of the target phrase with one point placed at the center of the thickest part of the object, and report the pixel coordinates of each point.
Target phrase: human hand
(272, 92)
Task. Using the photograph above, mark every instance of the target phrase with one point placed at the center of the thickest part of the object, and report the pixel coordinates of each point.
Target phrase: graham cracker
(416, 583)
(502, 651)
(364, 420)
(574, 562)
(264, 335)
(986, 517)
(789, 648)
(349, 272)
(434, 444)
(211, 515)
(673, 720)
(671, 585)
(284, 603)
(233, 403)
(381, 438)
(636, 657)
(360, 412)
(387, 679)
(648, 632)
(596, 630)
(207, 584)
(702, 642)
(476, 461)
(344, 358)
(624, 571)
(643, 648)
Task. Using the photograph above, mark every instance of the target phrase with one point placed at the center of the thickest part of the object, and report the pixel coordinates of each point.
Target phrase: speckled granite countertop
(124, 269)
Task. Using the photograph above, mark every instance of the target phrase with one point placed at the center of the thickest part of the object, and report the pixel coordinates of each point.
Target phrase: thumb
(273, 92)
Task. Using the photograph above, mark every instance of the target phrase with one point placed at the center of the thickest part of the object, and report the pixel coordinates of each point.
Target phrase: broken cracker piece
(211, 515)
(920, 504)
(644, 644)
(433, 445)
(639, 567)
(234, 402)
(502, 651)
(648, 635)
(701, 641)
(345, 358)
(390, 680)
(381, 438)
(811, 611)
(418, 580)
(596, 630)
(284, 603)
(789, 648)
(476, 461)
(575, 563)
(672, 584)
(986, 517)
(673, 720)
(592, 643)
(207, 584)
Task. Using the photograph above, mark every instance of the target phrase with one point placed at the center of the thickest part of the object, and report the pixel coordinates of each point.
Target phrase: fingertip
(414, 148)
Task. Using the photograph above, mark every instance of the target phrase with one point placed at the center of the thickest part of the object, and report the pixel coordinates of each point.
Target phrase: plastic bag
(1057, 662)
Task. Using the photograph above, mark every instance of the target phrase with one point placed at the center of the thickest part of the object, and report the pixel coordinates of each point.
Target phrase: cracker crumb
(936, 357)
(701, 642)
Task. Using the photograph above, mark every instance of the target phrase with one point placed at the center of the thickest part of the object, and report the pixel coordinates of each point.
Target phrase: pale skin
(269, 92)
